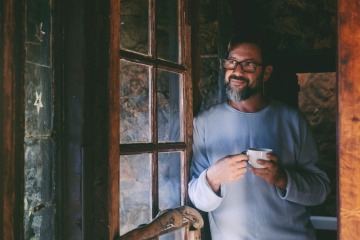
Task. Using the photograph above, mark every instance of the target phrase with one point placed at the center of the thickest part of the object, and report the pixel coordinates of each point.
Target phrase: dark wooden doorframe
(101, 119)
(348, 121)
(89, 55)
(68, 58)
(11, 119)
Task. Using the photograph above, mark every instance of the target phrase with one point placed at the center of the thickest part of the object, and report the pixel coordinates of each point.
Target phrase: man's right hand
(228, 169)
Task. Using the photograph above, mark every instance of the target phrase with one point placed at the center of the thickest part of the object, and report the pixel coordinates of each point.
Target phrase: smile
(238, 82)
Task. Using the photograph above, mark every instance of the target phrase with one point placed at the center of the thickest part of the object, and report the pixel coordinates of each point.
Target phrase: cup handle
(246, 152)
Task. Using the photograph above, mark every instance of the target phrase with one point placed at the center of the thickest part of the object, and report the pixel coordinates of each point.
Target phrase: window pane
(169, 180)
(134, 103)
(135, 191)
(169, 97)
(167, 30)
(134, 26)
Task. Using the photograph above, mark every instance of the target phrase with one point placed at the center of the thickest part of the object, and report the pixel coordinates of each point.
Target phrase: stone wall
(209, 57)
(39, 207)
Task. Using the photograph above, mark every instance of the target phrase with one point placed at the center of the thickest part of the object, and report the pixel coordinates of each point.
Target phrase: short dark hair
(264, 46)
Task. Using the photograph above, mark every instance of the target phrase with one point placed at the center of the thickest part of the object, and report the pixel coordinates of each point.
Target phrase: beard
(246, 93)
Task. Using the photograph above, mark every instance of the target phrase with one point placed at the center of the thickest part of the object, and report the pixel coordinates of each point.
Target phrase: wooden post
(349, 118)
(11, 119)
(101, 119)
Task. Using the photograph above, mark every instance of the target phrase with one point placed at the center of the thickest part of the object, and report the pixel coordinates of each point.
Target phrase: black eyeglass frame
(223, 61)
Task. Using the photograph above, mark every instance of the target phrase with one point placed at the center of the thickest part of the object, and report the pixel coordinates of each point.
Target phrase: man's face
(241, 85)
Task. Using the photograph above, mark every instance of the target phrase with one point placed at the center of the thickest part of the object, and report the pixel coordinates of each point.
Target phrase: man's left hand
(272, 173)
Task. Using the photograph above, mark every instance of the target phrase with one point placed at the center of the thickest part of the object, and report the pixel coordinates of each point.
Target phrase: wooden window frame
(184, 69)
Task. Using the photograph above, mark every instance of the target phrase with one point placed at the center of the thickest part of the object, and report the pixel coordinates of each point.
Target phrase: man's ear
(268, 71)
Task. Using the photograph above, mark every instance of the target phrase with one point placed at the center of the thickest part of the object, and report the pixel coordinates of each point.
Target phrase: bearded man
(244, 202)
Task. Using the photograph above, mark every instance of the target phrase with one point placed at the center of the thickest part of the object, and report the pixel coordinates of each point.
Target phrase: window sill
(324, 223)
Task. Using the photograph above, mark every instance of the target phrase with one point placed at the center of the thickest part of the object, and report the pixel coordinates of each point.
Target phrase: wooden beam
(114, 120)
(11, 119)
(349, 118)
(101, 119)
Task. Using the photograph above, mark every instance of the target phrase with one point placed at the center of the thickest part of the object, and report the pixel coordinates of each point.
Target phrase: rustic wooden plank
(188, 107)
(167, 221)
(349, 118)
(101, 120)
(114, 120)
(11, 120)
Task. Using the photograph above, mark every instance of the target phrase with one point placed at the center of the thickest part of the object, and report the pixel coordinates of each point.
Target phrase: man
(245, 202)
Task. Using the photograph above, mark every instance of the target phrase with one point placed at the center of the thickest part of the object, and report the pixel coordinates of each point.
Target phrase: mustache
(241, 78)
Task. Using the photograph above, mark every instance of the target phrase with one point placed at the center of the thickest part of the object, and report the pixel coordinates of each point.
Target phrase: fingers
(268, 163)
(238, 158)
(272, 157)
(263, 172)
(270, 170)
(227, 169)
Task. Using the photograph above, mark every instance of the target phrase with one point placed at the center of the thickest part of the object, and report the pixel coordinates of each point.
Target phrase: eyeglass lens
(246, 66)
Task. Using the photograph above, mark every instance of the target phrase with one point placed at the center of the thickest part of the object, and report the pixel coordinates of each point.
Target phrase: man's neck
(253, 104)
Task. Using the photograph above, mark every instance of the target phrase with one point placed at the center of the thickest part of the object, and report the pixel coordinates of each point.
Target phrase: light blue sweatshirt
(251, 208)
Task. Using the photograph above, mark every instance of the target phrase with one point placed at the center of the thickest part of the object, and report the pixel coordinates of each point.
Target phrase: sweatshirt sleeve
(307, 183)
(308, 189)
(200, 192)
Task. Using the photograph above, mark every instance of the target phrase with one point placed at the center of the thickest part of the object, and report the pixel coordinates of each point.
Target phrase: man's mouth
(238, 82)
(238, 79)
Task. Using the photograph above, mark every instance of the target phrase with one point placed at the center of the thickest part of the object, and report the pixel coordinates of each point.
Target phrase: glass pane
(167, 30)
(134, 103)
(135, 191)
(134, 26)
(169, 168)
(169, 109)
(175, 235)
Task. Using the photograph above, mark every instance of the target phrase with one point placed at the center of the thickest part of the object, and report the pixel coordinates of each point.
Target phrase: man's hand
(226, 170)
(272, 173)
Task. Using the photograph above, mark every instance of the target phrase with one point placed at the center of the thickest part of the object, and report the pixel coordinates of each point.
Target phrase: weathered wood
(114, 120)
(349, 118)
(192, 216)
(167, 221)
(194, 235)
(67, 55)
(101, 119)
(11, 119)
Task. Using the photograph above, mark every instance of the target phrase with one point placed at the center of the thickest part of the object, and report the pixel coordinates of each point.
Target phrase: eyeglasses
(246, 66)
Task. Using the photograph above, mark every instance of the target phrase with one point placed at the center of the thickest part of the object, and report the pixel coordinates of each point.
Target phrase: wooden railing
(168, 221)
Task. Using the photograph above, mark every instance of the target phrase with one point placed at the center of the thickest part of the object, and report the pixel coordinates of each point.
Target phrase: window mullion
(154, 137)
(152, 27)
(181, 19)
(154, 185)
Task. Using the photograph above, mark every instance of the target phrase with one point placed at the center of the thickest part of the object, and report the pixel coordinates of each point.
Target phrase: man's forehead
(245, 49)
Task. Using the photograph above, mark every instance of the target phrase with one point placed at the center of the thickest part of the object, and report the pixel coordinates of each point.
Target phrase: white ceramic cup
(257, 153)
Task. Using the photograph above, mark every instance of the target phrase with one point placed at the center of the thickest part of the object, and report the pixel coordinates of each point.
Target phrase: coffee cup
(257, 153)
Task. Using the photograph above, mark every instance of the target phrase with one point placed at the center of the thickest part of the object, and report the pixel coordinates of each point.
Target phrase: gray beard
(236, 96)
